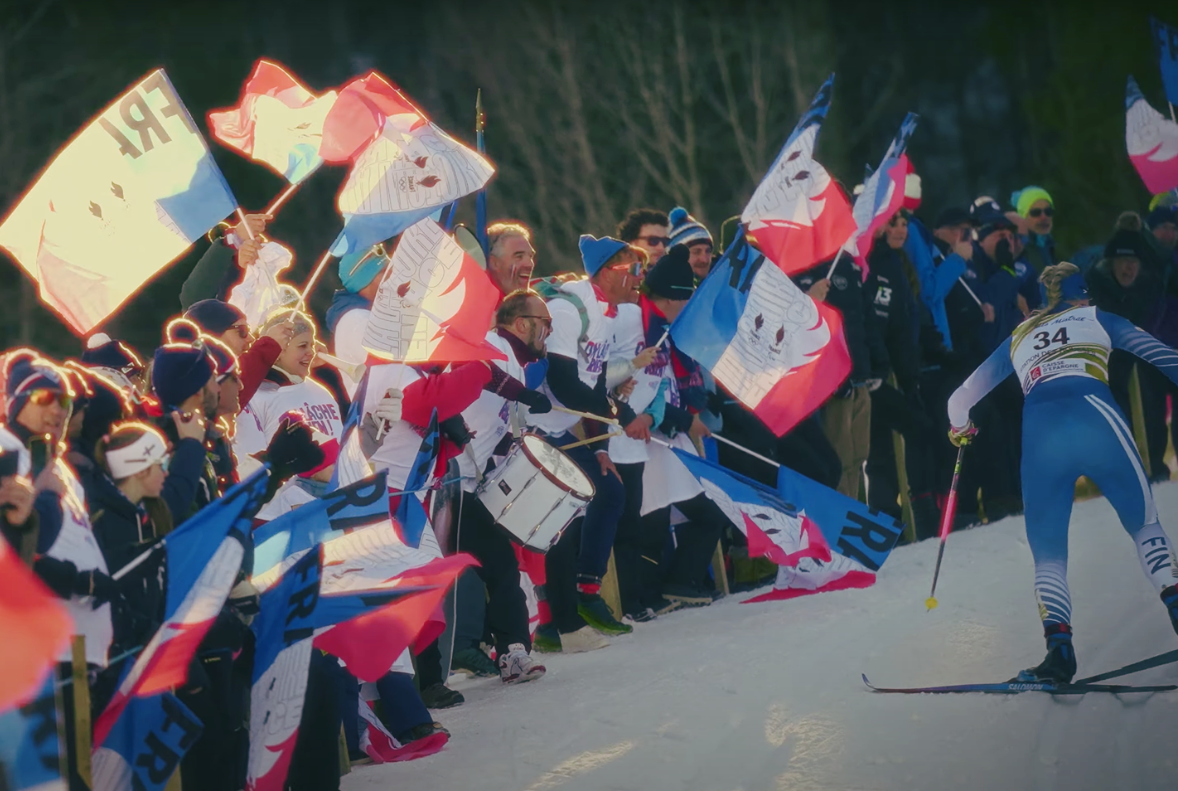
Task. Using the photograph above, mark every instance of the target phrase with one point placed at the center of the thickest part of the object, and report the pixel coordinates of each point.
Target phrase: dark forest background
(595, 108)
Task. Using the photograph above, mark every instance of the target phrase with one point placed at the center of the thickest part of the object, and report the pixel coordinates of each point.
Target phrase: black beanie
(671, 277)
(1126, 243)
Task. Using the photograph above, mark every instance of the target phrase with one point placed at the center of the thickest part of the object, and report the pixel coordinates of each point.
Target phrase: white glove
(389, 408)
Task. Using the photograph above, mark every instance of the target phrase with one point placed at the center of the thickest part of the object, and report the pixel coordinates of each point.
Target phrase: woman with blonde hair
(289, 396)
(1073, 427)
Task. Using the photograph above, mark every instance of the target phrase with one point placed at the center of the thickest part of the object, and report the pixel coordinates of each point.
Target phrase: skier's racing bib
(1071, 343)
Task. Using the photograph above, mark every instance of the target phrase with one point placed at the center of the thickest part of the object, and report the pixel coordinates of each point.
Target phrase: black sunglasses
(1048, 212)
(547, 321)
(655, 241)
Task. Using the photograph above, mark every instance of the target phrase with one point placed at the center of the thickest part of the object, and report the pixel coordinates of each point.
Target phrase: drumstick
(592, 439)
(587, 415)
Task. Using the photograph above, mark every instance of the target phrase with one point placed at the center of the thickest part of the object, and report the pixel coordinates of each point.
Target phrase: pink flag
(1152, 140)
(278, 122)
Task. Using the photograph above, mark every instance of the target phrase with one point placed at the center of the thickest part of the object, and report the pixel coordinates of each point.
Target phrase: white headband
(148, 450)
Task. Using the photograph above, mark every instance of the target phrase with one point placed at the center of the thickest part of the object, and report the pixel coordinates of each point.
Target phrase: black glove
(95, 583)
(1003, 256)
(293, 449)
(536, 401)
(455, 430)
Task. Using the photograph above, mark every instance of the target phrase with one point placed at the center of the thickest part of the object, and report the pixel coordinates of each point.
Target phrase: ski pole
(946, 525)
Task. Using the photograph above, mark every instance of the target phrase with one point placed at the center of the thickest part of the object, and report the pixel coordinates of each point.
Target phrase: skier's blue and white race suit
(1073, 427)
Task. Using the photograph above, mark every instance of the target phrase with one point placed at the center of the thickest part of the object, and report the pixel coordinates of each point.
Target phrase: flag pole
(241, 216)
(480, 123)
(276, 204)
(314, 277)
(835, 262)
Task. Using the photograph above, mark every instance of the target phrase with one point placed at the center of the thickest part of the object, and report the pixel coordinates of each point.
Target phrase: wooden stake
(610, 590)
(81, 693)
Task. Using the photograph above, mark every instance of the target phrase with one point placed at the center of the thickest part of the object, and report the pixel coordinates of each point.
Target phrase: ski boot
(1060, 665)
(1170, 599)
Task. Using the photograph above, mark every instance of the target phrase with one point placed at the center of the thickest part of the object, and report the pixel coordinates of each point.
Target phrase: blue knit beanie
(686, 230)
(595, 252)
(179, 372)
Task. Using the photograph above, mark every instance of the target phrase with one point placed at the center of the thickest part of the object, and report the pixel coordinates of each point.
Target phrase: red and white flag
(434, 303)
(277, 122)
(798, 216)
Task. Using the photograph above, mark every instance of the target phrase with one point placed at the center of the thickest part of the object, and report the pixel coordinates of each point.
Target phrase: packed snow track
(768, 696)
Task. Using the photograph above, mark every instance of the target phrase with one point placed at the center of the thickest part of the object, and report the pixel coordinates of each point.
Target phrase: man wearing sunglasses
(649, 230)
(583, 324)
(1037, 210)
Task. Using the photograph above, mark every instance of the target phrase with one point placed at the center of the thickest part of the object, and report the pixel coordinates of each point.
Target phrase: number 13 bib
(1071, 343)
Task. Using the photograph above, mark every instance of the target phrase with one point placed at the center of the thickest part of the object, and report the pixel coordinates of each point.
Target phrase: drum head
(557, 465)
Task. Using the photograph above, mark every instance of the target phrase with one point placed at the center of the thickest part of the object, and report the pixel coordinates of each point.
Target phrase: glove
(962, 436)
(293, 449)
(536, 401)
(455, 430)
(99, 585)
(389, 407)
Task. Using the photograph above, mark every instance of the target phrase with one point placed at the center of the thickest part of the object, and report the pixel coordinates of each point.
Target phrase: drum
(535, 493)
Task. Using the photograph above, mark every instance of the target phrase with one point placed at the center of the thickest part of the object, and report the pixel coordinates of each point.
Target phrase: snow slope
(767, 696)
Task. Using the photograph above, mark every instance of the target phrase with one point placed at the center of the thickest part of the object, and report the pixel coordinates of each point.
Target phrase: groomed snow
(766, 696)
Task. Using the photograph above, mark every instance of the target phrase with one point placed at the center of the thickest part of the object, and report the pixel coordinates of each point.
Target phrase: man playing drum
(522, 325)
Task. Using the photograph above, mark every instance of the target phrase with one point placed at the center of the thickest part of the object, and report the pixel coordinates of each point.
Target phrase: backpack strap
(576, 302)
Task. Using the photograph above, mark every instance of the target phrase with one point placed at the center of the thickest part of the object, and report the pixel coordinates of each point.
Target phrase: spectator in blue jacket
(992, 272)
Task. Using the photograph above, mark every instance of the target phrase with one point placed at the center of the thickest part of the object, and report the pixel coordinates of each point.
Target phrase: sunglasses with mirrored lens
(656, 241)
(634, 268)
(47, 397)
(1048, 212)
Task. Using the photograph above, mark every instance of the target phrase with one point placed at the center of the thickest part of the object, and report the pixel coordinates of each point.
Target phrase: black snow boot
(1060, 665)
(1170, 599)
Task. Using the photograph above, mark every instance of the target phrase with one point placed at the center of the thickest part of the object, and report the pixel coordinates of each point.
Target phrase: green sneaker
(546, 640)
(596, 613)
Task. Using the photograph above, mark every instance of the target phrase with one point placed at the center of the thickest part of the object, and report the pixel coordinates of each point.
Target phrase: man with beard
(522, 326)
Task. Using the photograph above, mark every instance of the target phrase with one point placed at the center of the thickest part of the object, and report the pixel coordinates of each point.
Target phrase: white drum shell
(523, 500)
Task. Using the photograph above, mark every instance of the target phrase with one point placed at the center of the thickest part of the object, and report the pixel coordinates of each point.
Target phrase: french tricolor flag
(1152, 140)
(277, 122)
(204, 556)
(405, 168)
(766, 342)
(883, 194)
(798, 216)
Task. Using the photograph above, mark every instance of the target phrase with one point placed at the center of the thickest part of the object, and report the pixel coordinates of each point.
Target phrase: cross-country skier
(1072, 427)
